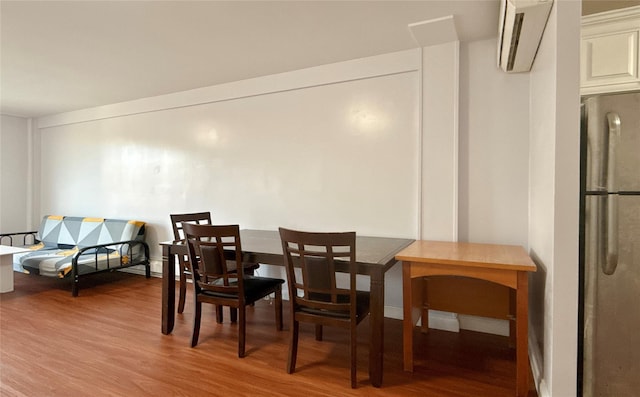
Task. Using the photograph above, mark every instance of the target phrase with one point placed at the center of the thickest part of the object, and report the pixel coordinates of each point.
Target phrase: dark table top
(264, 246)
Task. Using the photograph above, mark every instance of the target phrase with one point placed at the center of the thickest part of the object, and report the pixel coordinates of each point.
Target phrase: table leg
(512, 317)
(522, 351)
(424, 316)
(376, 348)
(407, 323)
(168, 290)
(6, 273)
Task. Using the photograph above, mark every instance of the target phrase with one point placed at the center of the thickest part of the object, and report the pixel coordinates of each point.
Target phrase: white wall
(338, 154)
(553, 195)
(494, 147)
(14, 174)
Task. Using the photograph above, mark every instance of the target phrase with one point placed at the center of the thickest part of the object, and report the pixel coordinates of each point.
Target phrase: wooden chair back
(178, 221)
(209, 247)
(311, 261)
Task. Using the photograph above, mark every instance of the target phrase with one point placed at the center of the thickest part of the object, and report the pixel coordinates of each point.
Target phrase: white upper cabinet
(609, 52)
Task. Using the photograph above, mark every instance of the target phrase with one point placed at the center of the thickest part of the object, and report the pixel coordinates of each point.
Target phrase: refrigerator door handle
(611, 261)
(613, 122)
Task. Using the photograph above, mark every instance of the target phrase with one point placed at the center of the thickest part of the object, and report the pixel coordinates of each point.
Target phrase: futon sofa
(75, 247)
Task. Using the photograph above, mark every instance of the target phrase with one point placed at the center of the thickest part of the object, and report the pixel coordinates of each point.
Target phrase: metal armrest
(9, 236)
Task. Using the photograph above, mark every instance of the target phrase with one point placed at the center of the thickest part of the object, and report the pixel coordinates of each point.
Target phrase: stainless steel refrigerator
(610, 246)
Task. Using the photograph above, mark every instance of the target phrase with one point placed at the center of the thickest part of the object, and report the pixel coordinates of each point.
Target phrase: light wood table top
(493, 256)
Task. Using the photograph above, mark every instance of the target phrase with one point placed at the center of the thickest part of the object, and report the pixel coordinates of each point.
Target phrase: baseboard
(393, 312)
(437, 320)
(445, 321)
(537, 366)
(484, 324)
(137, 270)
(543, 390)
(156, 267)
(453, 322)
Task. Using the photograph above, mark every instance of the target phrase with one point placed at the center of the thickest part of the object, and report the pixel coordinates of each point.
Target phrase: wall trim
(30, 182)
(445, 321)
(537, 365)
(393, 312)
(357, 69)
(611, 16)
(543, 390)
(456, 141)
(452, 322)
(484, 324)
(439, 129)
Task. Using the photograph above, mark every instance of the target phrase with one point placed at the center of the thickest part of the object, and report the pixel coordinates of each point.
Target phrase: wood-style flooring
(107, 342)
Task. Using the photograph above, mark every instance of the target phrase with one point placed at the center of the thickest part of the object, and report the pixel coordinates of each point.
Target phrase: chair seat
(255, 288)
(362, 305)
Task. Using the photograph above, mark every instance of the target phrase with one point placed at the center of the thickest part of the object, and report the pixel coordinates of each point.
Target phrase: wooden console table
(506, 265)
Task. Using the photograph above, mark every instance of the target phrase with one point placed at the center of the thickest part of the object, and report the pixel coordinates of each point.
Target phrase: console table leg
(522, 350)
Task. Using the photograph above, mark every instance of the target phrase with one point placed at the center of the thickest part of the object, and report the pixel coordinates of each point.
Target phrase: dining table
(374, 257)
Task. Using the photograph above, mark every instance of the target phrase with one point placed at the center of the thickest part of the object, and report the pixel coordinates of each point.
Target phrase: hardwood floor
(107, 342)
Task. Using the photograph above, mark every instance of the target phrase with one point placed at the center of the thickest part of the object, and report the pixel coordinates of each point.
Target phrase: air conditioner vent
(513, 50)
(522, 23)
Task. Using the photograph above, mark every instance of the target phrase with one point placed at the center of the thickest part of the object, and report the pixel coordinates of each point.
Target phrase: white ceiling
(58, 56)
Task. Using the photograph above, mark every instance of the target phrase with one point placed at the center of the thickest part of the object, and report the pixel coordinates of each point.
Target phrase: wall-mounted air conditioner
(522, 23)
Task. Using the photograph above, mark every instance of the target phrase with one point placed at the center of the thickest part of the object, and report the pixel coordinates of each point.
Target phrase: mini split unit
(522, 23)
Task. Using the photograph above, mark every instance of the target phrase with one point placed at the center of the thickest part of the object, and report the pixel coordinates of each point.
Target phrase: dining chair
(177, 222)
(198, 218)
(312, 261)
(216, 282)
